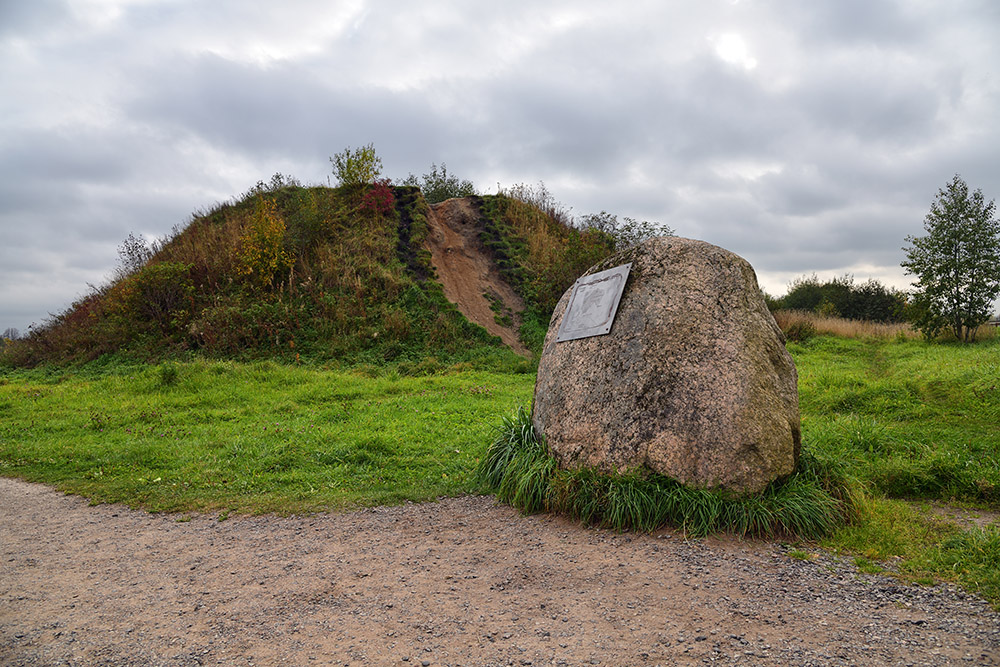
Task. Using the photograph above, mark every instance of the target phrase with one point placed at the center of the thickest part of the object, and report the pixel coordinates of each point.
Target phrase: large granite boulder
(693, 381)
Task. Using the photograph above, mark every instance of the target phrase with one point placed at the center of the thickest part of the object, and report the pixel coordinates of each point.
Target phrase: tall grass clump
(168, 373)
(811, 503)
(516, 465)
(514, 437)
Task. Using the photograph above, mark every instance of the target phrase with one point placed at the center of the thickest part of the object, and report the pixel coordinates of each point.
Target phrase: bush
(378, 199)
(262, 255)
(627, 233)
(438, 186)
(357, 167)
(160, 293)
(800, 331)
(133, 253)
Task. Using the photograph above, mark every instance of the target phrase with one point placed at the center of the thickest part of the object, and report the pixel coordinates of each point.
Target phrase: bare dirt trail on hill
(468, 273)
(460, 582)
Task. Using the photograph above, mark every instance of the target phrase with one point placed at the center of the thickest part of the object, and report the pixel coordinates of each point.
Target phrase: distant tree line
(842, 297)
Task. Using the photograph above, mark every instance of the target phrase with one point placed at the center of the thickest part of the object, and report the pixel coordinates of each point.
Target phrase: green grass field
(913, 420)
(914, 423)
(252, 437)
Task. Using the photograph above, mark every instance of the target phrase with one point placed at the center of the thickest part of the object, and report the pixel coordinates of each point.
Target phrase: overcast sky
(806, 136)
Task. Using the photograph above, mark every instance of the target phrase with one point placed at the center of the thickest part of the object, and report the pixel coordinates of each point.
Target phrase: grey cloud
(852, 22)
(880, 106)
(225, 103)
(18, 17)
(279, 110)
(58, 156)
(798, 192)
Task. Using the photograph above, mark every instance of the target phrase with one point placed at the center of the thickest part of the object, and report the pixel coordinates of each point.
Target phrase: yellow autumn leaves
(262, 255)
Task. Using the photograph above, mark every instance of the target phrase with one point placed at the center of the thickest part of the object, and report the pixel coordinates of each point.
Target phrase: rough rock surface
(693, 380)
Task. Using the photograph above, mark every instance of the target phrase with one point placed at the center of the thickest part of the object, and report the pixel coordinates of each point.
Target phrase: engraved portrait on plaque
(593, 304)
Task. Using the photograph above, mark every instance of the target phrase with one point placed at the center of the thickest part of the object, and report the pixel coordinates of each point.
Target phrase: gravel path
(459, 582)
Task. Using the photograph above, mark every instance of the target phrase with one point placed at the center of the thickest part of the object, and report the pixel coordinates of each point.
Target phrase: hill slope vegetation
(350, 274)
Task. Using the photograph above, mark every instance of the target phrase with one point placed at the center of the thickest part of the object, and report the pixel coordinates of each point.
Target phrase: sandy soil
(459, 582)
(467, 271)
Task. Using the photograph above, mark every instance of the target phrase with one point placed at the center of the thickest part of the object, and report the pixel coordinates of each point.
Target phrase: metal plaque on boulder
(593, 304)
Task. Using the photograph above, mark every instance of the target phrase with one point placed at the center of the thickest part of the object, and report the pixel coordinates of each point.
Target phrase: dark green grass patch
(811, 503)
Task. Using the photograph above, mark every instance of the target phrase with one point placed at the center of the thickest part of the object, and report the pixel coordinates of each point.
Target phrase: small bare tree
(133, 253)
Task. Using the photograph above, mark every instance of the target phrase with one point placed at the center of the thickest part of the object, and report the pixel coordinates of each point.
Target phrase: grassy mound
(287, 273)
(298, 273)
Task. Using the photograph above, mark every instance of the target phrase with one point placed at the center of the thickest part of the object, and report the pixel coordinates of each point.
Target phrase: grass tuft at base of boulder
(811, 503)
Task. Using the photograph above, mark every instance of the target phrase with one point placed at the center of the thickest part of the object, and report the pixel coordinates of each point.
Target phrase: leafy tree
(438, 186)
(830, 298)
(875, 302)
(957, 264)
(925, 317)
(360, 166)
(805, 293)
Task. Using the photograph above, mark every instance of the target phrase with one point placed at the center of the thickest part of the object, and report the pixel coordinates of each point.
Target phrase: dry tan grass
(839, 326)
